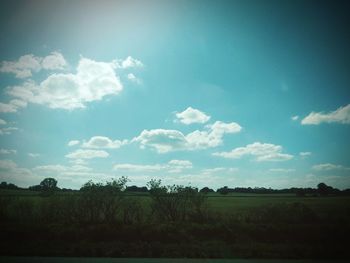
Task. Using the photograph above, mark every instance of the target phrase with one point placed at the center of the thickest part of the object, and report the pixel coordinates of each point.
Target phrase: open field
(147, 260)
(225, 226)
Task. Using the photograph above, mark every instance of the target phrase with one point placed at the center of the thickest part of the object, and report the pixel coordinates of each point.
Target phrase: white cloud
(7, 130)
(2, 122)
(171, 140)
(54, 61)
(191, 115)
(7, 164)
(23, 67)
(57, 168)
(92, 82)
(262, 152)
(329, 166)
(295, 118)
(9, 171)
(73, 142)
(281, 170)
(33, 155)
(12, 106)
(219, 170)
(181, 163)
(137, 167)
(341, 115)
(161, 140)
(133, 78)
(173, 166)
(78, 161)
(305, 154)
(7, 151)
(28, 64)
(87, 154)
(129, 62)
(101, 142)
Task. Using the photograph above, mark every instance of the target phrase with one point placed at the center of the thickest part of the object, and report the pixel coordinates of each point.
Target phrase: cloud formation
(305, 154)
(261, 151)
(12, 106)
(87, 154)
(164, 141)
(340, 115)
(7, 151)
(102, 142)
(129, 62)
(191, 115)
(26, 65)
(73, 142)
(329, 166)
(173, 166)
(92, 82)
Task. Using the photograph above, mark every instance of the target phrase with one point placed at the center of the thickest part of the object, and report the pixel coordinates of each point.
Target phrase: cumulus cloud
(164, 141)
(54, 61)
(92, 81)
(7, 164)
(341, 115)
(87, 154)
(73, 142)
(129, 62)
(7, 151)
(191, 115)
(262, 152)
(26, 65)
(305, 154)
(9, 171)
(173, 166)
(12, 106)
(2, 122)
(133, 78)
(329, 166)
(101, 142)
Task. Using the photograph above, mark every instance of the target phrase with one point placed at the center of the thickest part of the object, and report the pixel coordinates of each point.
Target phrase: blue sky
(207, 93)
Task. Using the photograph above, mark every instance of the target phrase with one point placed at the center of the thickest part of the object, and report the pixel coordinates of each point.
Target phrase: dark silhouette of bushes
(176, 202)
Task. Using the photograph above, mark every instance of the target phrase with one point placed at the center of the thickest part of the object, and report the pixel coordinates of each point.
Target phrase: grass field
(231, 226)
(147, 260)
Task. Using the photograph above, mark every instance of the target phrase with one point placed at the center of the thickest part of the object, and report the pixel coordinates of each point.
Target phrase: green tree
(48, 186)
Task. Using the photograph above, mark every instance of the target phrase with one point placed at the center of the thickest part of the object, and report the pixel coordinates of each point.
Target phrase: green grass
(145, 260)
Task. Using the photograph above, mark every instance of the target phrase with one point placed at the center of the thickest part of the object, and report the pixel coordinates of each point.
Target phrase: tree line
(49, 185)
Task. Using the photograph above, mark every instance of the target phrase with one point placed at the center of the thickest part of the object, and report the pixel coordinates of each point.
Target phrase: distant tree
(223, 190)
(49, 184)
(35, 188)
(135, 188)
(10, 186)
(323, 189)
(206, 190)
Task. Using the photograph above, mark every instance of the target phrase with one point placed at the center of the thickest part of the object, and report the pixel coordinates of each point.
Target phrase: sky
(201, 93)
